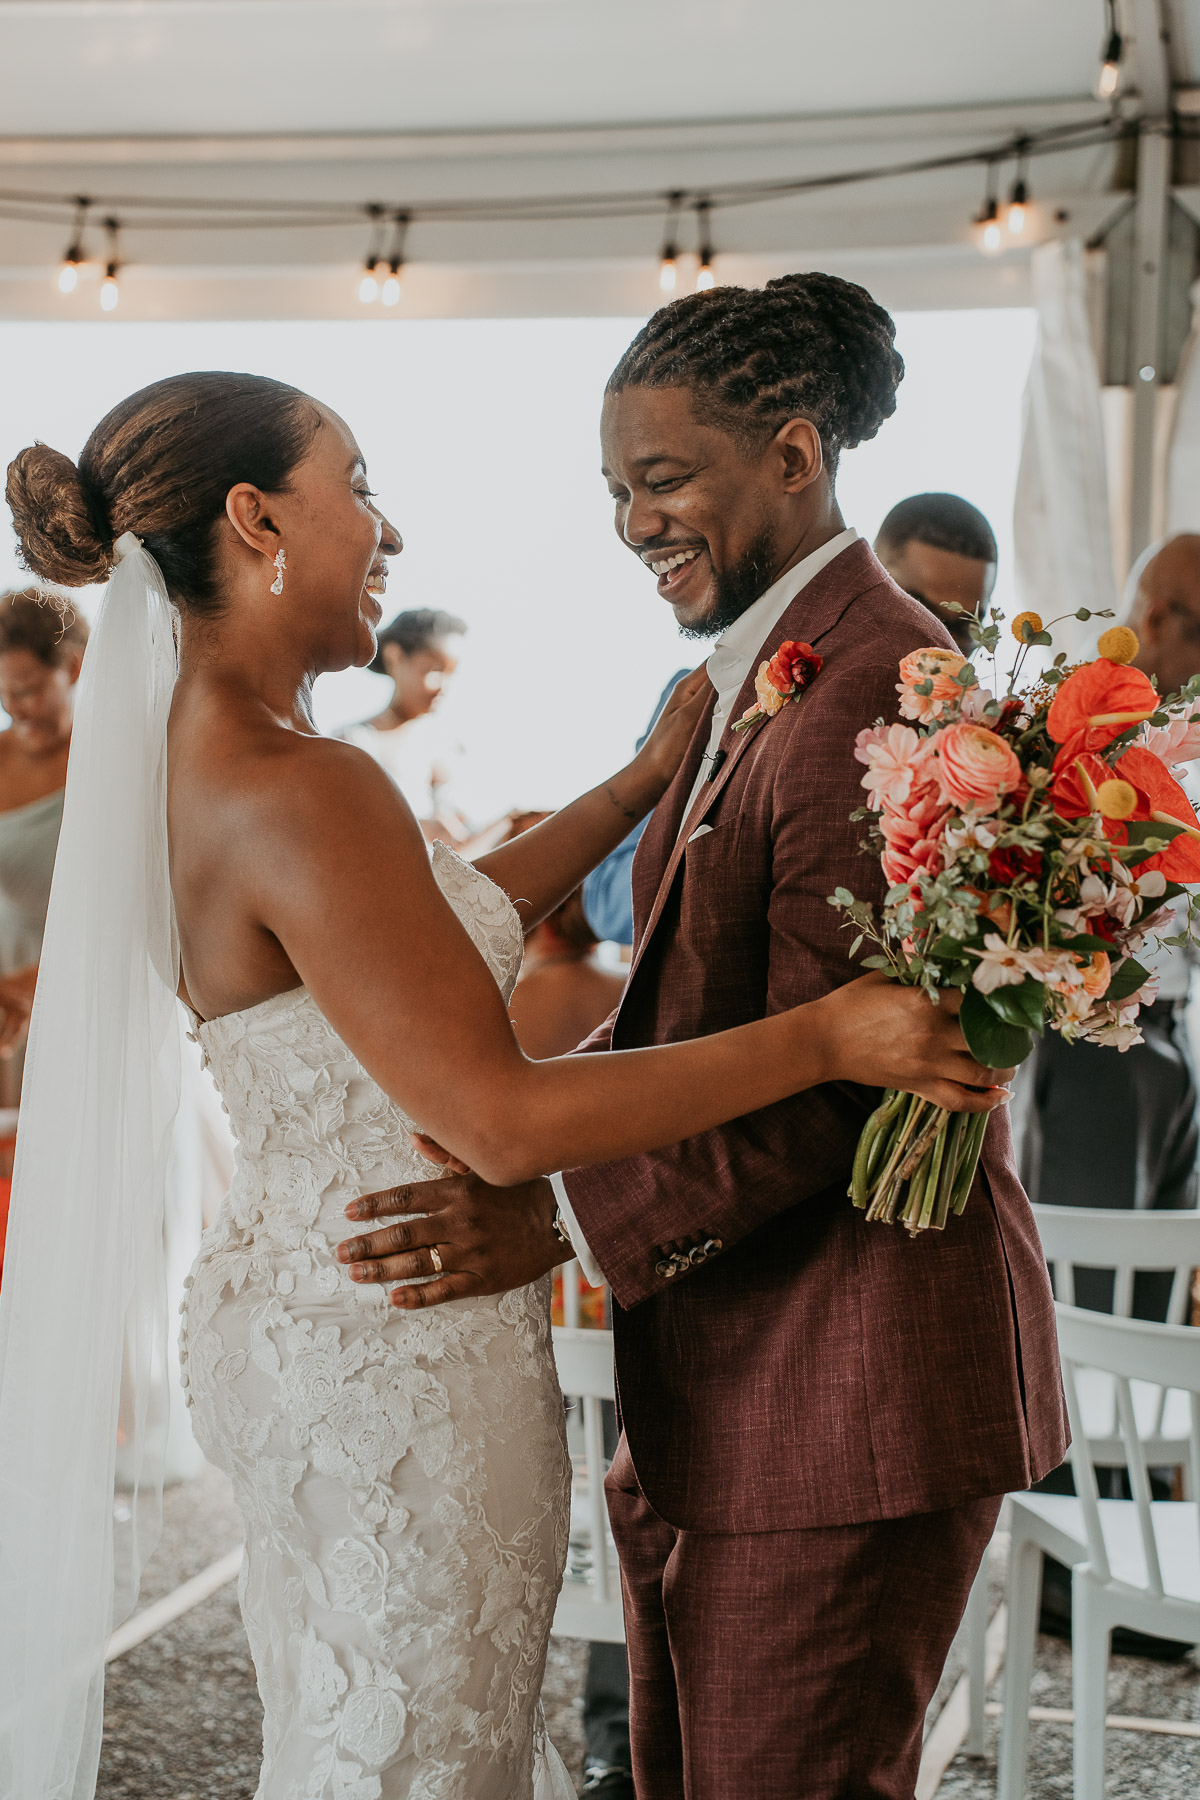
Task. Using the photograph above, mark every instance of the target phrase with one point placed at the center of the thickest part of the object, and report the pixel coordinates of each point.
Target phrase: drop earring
(280, 566)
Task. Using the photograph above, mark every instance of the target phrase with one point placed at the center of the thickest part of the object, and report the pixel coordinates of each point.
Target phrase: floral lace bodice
(402, 1475)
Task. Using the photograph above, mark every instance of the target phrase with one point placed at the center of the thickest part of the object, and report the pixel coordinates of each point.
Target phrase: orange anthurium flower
(1098, 702)
(1166, 801)
(1078, 775)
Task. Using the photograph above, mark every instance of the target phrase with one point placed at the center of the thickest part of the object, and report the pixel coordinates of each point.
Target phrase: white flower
(998, 965)
(1059, 969)
(972, 833)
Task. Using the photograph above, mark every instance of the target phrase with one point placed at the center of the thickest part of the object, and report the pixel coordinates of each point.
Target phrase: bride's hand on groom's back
(887, 1036)
(472, 1238)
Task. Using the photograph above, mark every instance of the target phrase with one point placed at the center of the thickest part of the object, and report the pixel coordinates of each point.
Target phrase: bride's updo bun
(61, 538)
(160, 464)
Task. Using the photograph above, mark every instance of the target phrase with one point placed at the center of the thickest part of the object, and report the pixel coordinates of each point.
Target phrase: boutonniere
(785, 677)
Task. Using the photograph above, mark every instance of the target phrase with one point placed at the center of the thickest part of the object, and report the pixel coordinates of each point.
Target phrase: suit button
(713, 1245)
(665, 1267)
(697, 1256)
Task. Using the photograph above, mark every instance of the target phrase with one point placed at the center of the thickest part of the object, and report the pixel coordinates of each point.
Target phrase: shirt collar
(730, 658)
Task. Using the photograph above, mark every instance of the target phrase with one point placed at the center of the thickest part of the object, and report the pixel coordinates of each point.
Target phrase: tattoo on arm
(628, 812)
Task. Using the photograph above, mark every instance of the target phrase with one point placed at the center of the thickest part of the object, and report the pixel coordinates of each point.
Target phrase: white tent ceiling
(408, 101)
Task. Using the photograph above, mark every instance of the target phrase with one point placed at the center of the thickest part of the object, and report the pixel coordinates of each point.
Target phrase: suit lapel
(814, 612)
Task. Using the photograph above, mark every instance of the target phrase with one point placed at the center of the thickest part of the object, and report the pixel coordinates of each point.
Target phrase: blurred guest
(563, 993)
(941, 550)
(608, 891)
(1146, 1155)
(41, 652)
(420, 651)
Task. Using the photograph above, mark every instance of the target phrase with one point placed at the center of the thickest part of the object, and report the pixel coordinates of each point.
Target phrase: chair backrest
(1127, 1350)
(1114, 1238)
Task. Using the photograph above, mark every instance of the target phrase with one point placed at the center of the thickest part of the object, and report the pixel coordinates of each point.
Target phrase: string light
(987, 219)
(668, 269)
(706, 276)
(110, 293)
(68, 274)
(1109, 78)
(368, 287)
(390, 291)
(1016, 214)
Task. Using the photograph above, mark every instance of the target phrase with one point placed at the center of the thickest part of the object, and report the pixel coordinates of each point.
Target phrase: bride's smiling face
(336, 545)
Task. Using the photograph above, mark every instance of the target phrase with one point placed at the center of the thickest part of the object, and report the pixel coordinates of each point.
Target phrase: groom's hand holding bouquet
(1034, 845)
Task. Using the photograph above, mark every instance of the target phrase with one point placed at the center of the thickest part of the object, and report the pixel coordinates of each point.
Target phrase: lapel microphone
(718, 758)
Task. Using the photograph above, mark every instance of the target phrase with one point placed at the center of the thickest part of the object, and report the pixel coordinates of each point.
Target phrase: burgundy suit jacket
(814, 1369)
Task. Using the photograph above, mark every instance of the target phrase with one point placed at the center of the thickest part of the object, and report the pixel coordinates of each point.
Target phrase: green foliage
(991, 1040)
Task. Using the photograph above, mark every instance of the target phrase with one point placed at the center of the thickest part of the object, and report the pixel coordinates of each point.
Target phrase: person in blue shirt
(608, 890)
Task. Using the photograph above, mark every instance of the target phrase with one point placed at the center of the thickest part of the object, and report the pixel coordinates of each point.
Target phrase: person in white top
(419, 650)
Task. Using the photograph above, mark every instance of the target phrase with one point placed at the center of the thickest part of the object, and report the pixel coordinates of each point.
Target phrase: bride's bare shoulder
(235, 769)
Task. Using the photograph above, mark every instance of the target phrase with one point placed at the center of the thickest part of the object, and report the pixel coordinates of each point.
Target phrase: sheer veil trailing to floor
(83, 1314)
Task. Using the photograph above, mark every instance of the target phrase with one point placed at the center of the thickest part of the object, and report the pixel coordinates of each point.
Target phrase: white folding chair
(1134, 1562)
(1105, 1238)
(590, 1603)
(1109, 1238)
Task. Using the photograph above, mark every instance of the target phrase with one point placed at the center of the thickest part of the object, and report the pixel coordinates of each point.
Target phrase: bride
(402, 1473)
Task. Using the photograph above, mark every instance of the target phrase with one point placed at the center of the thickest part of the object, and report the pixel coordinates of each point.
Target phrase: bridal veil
(83, 1325)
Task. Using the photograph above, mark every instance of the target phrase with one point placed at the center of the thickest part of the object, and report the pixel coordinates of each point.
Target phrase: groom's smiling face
(709, 515)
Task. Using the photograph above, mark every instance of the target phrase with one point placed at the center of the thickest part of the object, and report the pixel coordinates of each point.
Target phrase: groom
(820, 1416)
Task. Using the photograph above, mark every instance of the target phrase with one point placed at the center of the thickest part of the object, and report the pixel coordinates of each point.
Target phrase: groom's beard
(737, 589)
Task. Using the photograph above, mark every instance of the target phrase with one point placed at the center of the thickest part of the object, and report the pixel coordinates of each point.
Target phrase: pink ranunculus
(913, 836)
(939, 668)
(897, 760)
(976, 767)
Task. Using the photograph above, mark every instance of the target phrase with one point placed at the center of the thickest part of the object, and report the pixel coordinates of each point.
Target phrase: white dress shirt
(729, 663)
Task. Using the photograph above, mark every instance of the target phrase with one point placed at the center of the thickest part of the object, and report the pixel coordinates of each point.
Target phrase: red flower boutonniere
(785, 677)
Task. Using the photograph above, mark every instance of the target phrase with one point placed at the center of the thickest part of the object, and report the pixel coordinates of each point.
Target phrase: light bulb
(110, 293)
(390, 291)
(1015, 217)
(68, 278)
(368, 287)
(991, 235)
(705, 278)
(668, 274)
(1106, 83)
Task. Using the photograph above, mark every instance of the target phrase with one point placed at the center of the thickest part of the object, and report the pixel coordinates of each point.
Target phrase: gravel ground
(183, 1721)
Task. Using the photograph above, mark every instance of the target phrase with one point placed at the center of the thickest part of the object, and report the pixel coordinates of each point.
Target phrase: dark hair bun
(805, 346)
(839, 323)
(55, 518)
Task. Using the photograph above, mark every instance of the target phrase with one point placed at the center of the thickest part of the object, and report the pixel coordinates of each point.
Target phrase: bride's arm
(541, 867)
(339, 875)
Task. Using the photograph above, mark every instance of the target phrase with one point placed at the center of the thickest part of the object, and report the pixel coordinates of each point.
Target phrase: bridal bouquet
(1034, 844)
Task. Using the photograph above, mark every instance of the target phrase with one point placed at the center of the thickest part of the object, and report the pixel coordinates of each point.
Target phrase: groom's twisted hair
(159, 464)
(807, 346)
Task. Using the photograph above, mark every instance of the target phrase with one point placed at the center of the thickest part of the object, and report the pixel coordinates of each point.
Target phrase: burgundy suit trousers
(787, 1665)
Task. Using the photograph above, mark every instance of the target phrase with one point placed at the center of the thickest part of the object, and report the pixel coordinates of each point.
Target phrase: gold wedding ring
(435, 1257)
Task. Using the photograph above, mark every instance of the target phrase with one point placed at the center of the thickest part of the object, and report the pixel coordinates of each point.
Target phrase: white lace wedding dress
(402, 1476)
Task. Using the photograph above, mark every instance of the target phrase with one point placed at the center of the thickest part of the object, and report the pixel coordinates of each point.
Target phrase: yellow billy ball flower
(1030, 619)
(1116, 799)
(1118, 644)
